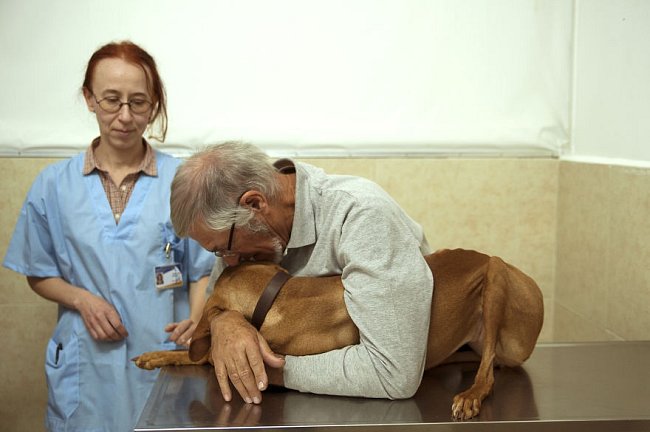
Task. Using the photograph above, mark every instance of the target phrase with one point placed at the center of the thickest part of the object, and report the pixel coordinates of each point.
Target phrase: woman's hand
(100, 318)
(181, 332)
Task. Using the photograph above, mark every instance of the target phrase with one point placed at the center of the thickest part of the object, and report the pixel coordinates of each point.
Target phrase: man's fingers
(256, 361)
(223, 380)
(236, 356)
(235, 379)
(270, 358)
(243, 377)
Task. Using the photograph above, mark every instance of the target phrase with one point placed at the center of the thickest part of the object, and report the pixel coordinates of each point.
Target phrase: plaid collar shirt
(118, 195)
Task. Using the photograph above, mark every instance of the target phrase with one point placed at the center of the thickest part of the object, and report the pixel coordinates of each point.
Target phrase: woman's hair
(132, 53)
(207, 187)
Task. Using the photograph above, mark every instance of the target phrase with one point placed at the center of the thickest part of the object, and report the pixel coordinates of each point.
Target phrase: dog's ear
(200, 344)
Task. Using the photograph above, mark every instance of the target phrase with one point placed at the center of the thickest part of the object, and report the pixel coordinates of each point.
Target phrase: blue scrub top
(66, 229)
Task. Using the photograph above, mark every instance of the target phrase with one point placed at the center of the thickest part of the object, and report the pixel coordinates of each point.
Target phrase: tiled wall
(27, 319)
(603, 250)
(587, 223)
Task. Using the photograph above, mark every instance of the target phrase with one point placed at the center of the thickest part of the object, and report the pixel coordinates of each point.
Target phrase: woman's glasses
(112, 104)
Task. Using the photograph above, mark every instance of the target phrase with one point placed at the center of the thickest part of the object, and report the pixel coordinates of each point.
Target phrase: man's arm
(388, 290)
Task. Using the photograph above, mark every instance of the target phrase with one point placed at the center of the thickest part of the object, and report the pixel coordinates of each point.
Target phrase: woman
(94, 235)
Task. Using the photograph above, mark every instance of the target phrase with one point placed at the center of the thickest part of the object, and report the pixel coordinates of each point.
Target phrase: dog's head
(238, 288)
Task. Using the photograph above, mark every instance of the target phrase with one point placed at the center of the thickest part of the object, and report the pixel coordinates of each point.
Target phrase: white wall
(303, 77)
(611, 112)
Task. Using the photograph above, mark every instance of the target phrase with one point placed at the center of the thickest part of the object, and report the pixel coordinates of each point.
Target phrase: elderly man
(238, 204)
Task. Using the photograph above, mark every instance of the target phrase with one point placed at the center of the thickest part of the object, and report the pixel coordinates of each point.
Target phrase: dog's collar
(268, 297)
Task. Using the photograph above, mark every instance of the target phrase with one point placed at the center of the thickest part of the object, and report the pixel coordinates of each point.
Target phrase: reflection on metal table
(580, 387)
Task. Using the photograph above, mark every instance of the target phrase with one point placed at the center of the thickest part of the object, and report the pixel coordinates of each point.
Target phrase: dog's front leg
(156, 359)
(468, 403)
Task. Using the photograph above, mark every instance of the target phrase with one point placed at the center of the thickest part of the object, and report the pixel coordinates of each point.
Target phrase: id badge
(168, 275)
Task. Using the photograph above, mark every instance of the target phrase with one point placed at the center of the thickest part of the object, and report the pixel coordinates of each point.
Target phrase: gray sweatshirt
(350, 226)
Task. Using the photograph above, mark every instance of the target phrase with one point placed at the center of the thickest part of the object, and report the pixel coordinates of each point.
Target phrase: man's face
(253, 243)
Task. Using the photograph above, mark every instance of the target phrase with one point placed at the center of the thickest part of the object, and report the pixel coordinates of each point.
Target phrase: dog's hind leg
(468, 403)
(461, 357)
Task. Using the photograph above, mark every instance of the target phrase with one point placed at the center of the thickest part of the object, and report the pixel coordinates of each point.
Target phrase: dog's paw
(157, 359)
(465, 406)
(149, 360)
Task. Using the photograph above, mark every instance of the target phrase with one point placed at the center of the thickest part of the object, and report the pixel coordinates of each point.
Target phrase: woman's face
(116, 80)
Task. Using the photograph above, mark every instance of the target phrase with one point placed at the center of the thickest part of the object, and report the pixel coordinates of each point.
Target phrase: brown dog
(478, 300)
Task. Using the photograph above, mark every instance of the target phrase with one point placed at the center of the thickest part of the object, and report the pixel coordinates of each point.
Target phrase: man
(233, 201)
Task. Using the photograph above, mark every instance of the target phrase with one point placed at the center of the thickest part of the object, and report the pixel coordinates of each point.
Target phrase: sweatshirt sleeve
(388, 291)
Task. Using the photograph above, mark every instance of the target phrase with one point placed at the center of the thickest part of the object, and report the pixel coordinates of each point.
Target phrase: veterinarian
(236, 203)
(93, 234)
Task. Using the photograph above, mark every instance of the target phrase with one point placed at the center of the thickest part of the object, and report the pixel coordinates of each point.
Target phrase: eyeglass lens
(113, 105)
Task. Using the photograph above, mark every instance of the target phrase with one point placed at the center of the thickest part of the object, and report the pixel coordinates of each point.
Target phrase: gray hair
(207, 187)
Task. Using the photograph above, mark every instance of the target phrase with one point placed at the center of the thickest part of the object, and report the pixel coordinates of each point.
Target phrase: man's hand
(238, 354)
(181, 332)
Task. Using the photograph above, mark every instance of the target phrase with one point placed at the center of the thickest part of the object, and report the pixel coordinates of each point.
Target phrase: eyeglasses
(228, 252)
(112, 104)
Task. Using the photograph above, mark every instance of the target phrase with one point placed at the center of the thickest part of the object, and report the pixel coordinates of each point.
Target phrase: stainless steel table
(579, 387)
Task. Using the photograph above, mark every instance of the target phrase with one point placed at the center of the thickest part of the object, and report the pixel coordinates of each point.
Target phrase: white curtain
(301, 77)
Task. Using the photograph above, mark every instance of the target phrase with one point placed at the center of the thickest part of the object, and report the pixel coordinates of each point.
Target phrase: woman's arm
(198, 298)
(100, 317)
(181, 332)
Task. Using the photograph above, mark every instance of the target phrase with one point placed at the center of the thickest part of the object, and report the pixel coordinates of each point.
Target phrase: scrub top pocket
(62, 370)
(177, 244)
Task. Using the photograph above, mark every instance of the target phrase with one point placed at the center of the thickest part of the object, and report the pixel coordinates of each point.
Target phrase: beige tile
(628, 275)
(546, 335)
(24, 390)
(502, 207)
(16, 177)
(583, 239)
(603, 248)
(569, 326)
(15, 290)
(535, 227)
(408, 182)
(28, 318)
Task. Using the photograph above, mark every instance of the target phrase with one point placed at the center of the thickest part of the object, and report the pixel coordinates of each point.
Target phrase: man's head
(223, 195)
